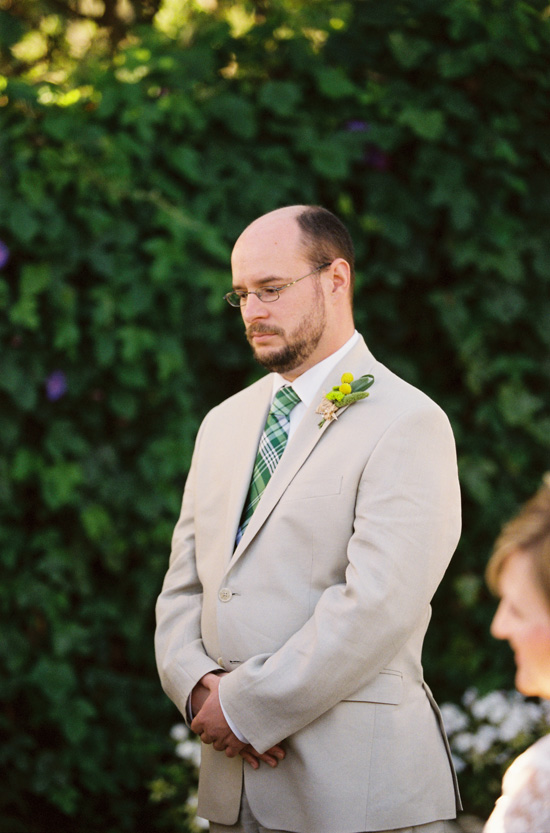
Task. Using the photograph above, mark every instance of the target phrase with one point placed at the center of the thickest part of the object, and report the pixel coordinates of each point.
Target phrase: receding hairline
(296, 212)
(284, 213)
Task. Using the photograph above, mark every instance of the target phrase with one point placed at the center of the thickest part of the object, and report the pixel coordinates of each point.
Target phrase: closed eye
(269, 292)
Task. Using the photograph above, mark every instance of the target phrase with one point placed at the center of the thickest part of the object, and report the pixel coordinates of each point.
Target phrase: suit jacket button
(225, 594)
(220, 662)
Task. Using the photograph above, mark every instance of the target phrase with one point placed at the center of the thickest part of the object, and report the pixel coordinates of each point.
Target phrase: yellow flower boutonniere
(346, 393)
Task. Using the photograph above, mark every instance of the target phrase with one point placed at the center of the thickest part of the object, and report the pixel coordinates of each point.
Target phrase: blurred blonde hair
(528, 531)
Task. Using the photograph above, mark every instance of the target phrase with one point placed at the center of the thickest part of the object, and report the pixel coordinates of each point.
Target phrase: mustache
(262, 329)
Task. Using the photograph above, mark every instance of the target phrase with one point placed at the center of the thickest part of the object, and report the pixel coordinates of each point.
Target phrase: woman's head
(519, 573)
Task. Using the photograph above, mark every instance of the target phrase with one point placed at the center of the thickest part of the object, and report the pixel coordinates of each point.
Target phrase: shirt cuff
(230, 723)
(189, 711)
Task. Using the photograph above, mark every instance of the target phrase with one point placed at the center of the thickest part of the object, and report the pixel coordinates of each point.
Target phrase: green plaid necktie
(272, 444)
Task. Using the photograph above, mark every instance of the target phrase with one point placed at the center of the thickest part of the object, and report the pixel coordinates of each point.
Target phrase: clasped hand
(212, 727)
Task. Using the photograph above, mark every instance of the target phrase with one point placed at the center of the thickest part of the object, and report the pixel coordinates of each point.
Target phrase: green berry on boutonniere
(342, 395)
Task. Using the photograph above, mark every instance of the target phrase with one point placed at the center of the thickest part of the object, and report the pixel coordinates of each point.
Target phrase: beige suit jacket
(320, 612)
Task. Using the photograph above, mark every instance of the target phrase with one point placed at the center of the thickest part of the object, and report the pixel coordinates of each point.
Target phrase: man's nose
(254, 308)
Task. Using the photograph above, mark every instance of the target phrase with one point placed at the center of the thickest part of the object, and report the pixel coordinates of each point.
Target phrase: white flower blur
(484, 739)
(458, 763)
(493, 707)
(189, 750)
(470, 696)
(453, 717)
(521, 718)
(191, 804)
(179, 732)
(463, 742)
(492, 728)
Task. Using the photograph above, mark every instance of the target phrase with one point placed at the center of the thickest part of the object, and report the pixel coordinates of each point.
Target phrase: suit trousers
(246, 823)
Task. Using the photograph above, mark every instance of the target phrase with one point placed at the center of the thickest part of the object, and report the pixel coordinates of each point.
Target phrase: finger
(271, 756)
(219, 744)
(250, 759)
(269, 759)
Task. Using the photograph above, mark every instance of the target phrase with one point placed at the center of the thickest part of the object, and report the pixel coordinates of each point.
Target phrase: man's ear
(341, 277)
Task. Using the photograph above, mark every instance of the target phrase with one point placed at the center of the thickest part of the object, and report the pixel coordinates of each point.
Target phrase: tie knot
(285, 400)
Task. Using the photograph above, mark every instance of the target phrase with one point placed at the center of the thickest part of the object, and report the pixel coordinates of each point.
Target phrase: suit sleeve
(180, 654)
(407, 524)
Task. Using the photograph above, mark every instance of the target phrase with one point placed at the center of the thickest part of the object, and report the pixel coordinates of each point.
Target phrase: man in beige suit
(292, 638)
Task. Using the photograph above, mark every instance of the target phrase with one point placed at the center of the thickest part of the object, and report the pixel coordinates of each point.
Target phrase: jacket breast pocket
(387, 687)
(321, 487)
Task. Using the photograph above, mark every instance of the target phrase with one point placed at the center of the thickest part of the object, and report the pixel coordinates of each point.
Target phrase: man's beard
(299, 345)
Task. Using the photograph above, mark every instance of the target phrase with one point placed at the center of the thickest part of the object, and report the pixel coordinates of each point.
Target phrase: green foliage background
(425, 126)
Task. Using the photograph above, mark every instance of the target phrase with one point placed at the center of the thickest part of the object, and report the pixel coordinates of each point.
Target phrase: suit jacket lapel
(358, 361)
(247, 433)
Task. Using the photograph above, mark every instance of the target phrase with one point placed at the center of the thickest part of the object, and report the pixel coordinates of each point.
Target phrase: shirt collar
(309, 382)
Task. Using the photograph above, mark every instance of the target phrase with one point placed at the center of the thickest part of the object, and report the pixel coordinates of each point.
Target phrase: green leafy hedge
(425, 127)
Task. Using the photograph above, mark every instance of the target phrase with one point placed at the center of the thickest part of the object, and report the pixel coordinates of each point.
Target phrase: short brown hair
(326, 238)
(529, 532)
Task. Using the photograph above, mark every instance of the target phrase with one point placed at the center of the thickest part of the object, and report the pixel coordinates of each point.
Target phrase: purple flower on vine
(357, 126)
(56, 385)
(377, 159)
(4, 254)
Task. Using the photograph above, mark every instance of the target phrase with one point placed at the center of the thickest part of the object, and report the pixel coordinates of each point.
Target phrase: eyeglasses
(238, 297)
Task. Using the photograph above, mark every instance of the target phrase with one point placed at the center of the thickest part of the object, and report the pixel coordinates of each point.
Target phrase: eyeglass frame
(243, 294)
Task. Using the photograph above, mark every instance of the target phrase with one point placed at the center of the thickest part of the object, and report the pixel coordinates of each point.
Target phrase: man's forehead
(270, 230)
(267, 266)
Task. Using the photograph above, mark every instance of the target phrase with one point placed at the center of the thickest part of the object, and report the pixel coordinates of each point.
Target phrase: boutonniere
(346, 393)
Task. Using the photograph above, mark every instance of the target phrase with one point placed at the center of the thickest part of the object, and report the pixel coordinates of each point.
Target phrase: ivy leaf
(427, 124)
(409, 51)
(281, 97)
(334, 83)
